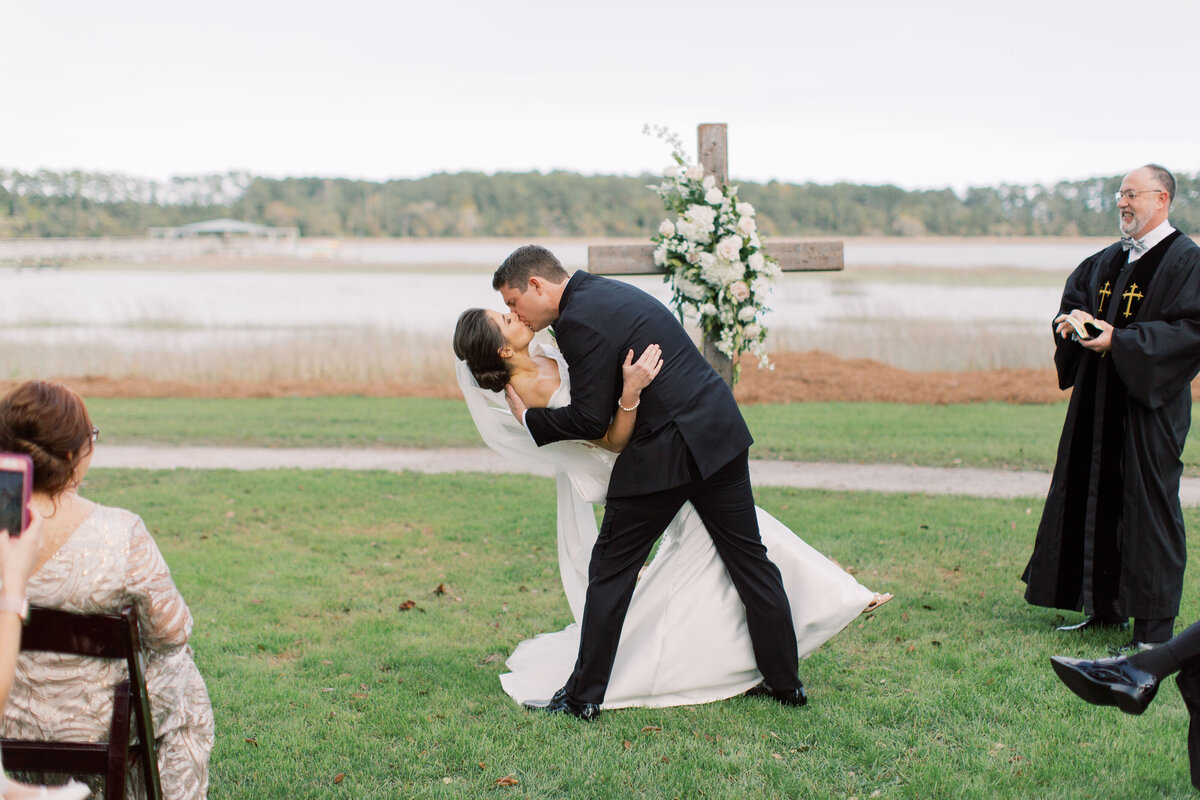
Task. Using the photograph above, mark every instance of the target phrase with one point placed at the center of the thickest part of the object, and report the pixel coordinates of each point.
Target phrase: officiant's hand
(515, 404)
(1064, 328)
(1101, 342)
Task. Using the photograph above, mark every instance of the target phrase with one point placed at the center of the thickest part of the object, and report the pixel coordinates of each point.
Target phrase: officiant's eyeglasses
(1131, 194)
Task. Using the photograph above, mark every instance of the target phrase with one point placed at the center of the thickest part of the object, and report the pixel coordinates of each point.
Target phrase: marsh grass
(157, 350)
(323, 687)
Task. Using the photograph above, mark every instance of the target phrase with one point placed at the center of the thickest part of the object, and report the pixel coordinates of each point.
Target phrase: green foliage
(297, 580)
(559, 203)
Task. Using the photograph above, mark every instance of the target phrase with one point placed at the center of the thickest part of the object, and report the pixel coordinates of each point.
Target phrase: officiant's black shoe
(1095, 623)
(1108, 682)
(561, 704)
(793, 697)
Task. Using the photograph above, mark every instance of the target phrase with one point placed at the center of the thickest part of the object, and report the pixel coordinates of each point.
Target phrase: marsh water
(375, 307)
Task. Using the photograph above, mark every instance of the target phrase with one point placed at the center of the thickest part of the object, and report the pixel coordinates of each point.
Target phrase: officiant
(1111, 538)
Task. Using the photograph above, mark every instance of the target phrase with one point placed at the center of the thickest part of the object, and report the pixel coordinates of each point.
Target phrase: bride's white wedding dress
(684, 640)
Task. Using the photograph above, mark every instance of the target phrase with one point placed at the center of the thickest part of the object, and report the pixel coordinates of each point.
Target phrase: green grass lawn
(323, 686)
(994, 435)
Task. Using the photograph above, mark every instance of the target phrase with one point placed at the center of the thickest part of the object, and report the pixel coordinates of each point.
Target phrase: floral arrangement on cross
(714, 259)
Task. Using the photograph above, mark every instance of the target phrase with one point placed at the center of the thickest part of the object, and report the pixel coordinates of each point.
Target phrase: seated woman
(684, 639)
(18, 555)
(95, 560)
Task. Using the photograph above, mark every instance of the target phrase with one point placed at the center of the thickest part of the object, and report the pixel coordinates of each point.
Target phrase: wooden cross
(794, 255)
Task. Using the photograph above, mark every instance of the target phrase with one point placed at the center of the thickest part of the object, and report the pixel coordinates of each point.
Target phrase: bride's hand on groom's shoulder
(638, 374)
(515, 404)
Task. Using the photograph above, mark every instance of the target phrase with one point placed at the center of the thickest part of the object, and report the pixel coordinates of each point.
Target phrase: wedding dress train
(685, 639)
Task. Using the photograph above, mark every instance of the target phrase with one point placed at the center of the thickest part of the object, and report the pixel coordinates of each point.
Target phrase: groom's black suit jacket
(687, 409)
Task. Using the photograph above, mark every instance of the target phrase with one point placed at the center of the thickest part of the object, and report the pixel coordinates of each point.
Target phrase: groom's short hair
(526, 261)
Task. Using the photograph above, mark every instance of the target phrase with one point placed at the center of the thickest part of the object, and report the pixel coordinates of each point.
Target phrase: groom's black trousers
(632, 525)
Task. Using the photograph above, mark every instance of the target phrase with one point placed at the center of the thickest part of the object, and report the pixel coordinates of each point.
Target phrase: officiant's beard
(1135, 224)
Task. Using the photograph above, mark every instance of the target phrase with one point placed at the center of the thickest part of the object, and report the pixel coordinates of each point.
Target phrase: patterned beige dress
(111, 561)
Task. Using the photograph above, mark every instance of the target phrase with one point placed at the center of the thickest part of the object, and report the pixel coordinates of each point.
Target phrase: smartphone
(16, 478)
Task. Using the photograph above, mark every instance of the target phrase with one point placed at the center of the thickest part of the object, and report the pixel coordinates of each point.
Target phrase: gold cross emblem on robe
(1104, 292)
(1131, 294)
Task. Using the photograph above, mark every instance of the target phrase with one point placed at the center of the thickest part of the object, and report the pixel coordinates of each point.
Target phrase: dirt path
(805, 475)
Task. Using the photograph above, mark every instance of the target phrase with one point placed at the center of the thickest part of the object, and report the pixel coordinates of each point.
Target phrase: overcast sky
(924, 93)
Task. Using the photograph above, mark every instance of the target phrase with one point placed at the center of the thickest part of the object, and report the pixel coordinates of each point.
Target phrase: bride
(684, 640)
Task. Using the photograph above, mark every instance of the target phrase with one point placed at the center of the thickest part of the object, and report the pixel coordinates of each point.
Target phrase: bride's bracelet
(631, 408)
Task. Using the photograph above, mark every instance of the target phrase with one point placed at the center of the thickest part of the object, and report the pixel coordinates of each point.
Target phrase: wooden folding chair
(100, 636)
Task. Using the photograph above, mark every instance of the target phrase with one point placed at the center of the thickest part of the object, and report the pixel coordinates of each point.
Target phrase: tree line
(466, 204)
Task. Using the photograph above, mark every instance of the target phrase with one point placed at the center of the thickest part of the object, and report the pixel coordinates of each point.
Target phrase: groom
(689, 443)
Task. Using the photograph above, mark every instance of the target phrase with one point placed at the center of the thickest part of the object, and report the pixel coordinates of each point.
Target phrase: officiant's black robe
(1112, 528)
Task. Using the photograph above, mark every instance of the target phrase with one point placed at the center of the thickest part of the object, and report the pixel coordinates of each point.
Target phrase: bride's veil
(581, 473)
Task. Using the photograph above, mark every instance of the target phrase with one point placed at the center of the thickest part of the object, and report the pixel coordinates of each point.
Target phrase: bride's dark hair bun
(477, 341)
(49, 423)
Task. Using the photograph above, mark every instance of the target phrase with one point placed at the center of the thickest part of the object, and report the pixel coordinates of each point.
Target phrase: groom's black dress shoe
(794, 697)
(1095, 623)
(1108, 682)
(561, 704)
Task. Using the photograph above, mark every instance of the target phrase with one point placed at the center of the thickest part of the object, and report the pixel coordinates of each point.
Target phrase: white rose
(710, 181)
(666, 228)
(746, 314)
(746, 225)
(692, 257)
(707, 260)
(671, 172)
(739, 290)
(660, 256)
(751, 332)
(745, 210)
(756, 261)
(695, 172)
(729, 248)
(708, 310)
(714, 197)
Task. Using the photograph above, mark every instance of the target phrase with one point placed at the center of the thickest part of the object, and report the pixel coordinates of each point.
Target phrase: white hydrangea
(746, 314)
(660, 256)
(722, 272)
(708, 310)
(688, 288)
(751, 331)
(702, 215)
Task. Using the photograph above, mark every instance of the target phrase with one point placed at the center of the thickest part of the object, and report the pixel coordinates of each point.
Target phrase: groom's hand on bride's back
(515, 404)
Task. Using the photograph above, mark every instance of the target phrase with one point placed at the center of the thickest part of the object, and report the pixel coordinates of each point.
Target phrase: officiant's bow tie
(1130, 243)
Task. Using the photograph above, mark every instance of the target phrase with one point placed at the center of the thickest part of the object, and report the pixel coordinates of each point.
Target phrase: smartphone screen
(16, 473)
(12, 500)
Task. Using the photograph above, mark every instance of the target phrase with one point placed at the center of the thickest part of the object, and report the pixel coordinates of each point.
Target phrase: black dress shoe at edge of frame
(1094, 623)
(1107, 682)
(795, 697)
(560, 704)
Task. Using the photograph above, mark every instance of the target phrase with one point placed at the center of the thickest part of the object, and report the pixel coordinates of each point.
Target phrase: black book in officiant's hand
(1084, 330)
